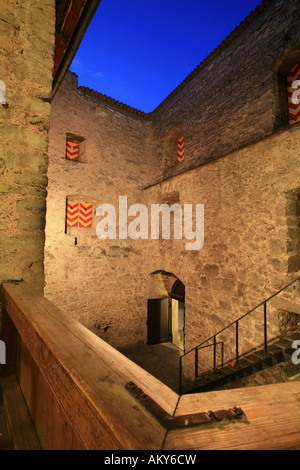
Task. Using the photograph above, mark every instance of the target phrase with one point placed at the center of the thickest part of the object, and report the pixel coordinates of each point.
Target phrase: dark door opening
(158, 321)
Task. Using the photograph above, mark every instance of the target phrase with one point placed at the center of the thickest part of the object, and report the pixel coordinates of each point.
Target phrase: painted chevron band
(72, 151)
(79, 214)
(72, 213)
(85, 215)
(180, 148)
(294, 73)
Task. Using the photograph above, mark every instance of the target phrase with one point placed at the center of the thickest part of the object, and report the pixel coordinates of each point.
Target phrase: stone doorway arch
(166, 312)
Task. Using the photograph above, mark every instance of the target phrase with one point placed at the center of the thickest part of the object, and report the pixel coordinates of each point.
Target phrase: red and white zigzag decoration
(79, 214)
(72, 152)
(72, 213)
(180, 146)
(85, 215)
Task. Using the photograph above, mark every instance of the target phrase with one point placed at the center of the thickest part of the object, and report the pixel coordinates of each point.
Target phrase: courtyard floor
(160, 360)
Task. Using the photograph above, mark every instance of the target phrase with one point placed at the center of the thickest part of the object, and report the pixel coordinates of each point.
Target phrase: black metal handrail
(236, 323)
(214, 345)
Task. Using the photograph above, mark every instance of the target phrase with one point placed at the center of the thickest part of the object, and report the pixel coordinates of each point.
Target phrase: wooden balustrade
(83, 394)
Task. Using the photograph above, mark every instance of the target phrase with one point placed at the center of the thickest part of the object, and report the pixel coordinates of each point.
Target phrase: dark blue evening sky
(138, 51)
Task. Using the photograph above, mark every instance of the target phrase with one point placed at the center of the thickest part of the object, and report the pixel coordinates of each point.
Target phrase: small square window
(75, 148)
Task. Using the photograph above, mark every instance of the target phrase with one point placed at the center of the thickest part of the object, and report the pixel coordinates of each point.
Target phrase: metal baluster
(196, 364)
(237, 341)
(222, 353)
(180, 374)
(215, 362)
(265, 327)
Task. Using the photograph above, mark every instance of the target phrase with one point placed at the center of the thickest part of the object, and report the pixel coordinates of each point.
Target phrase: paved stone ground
(160, 360)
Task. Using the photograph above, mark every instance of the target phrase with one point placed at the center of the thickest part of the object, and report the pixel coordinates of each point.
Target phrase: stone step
(286, 305)
(278, 351)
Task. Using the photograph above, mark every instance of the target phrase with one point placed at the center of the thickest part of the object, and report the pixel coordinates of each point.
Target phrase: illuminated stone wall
(97, 281)
(232, 109)
(249, 203)
(248, 250)
(236, 97)
(26, 57)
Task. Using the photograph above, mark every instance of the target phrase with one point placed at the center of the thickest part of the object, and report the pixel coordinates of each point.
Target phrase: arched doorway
(165, 322)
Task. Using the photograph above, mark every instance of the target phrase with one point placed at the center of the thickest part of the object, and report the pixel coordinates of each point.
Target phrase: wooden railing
(73, 382)
(83, 394)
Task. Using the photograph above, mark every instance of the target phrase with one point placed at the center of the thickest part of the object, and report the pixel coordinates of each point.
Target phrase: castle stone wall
(230, 109)
(26, 64)
(233, 100)
(97, 281)
(247, 236)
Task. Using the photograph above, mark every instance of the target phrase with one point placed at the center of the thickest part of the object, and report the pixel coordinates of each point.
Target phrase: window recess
(75, 148)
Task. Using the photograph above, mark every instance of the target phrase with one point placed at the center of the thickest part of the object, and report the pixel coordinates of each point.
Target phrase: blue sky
(139, 51)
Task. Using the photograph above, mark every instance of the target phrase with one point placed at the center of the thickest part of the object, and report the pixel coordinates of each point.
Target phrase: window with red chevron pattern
(75, 146)
(173, 145)
(293, 82)
(79, 214)
(72, 151)
(180, 147)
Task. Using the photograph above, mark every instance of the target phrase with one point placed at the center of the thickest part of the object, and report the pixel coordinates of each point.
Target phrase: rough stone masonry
(241, 162)
(26, 58)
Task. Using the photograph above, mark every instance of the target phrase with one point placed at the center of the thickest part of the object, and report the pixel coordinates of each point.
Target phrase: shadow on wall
(293, 224)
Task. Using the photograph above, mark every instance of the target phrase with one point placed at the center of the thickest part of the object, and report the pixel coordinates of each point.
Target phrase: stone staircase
(282, 303)
(279, 350)
(286, 302)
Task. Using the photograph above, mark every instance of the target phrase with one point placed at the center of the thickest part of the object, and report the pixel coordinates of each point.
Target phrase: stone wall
(106, 283)
(236, 97)
(245, 257)
(98, 281)
(251, 246)
(26, 58)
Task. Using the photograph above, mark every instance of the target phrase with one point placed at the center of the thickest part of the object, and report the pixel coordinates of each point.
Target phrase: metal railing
(215, 342)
